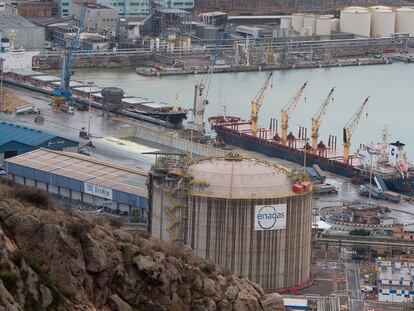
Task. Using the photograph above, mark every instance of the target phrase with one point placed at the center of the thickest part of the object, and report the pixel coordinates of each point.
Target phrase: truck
(325, 189)
(27, 109)
(66, 108)
(392, 196)
(365, 190)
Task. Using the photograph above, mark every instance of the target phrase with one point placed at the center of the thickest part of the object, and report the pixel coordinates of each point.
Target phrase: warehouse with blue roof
(16, 140)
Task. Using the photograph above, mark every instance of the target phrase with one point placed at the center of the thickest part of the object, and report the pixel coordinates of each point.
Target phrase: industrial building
(27, 35)
(240, 213)
(80, 178)
(395, 280)
(16, 140)
(99, 18)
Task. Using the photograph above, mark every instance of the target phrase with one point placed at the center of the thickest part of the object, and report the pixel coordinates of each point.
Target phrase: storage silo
(356, 20)
(404, 20)
(239, 213)
(323, 25)
(382, 21)
(335, 25)
(285, 22)
(309, 21)
(297, 21)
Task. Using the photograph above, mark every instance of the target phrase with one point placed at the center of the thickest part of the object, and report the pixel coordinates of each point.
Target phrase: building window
(134, 4)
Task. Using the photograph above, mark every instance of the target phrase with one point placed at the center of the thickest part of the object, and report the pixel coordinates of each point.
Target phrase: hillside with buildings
(52, 259)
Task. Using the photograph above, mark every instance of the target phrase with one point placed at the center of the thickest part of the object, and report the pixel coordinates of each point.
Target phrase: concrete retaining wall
(168, 139)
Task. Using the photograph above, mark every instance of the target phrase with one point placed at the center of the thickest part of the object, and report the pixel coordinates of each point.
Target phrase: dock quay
(169, 139)
(151, 72)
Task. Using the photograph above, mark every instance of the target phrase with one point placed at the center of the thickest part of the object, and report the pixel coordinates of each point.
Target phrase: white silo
(309, 21)
(335, 25)
(323, 25)
(382, 21)
(285, 22)
(404, 20)
(297, 21)
(356, 20)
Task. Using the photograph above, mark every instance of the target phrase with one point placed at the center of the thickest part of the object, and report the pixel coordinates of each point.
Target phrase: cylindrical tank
(382, 21)
(239, 213)
(309, 21)
(152, 44)
(189, 43)
(323, 25)
(356, 20)
(404, 20)
(297, 21)
(334, 25)
(157, 44)
(285, 22)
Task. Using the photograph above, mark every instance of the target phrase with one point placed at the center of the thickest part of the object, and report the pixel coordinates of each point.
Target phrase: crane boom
(289, 109)
(258, 101)
(350, 127)
(318, 117)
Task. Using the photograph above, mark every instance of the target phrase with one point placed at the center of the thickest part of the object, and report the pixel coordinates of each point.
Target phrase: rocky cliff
(53, 259)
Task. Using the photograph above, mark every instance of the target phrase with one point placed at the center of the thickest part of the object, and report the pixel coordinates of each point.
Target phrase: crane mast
(289, 109)
(350, 127)
(257, 103)
(69, 58)
(202, 87)
(318, 117)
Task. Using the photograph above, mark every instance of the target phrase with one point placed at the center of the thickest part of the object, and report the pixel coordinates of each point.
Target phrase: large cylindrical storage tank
(382, 21)
(285, 22)
(335, 25)
(323, 25)
(309, 21)
(240, 214)
(297, 21)
(356, 20)
(404, 20)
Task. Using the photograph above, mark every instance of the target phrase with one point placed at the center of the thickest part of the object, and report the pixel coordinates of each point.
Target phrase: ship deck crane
(289, 109)
(63, 92)
(257, 103)
(318, 117)
(350, 127)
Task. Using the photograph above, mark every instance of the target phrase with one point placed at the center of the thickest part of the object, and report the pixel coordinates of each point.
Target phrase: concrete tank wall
(286, 22)
(404, 20)
(335, 25)
(356, 20)
(323, 26)
(297, 21)
(382, 21)
(309, 21)
(213, 204)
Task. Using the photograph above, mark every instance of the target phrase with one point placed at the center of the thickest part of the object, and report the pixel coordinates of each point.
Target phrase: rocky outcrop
(52, 259)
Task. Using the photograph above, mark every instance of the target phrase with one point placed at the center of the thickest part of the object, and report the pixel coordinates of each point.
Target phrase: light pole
(90, 83)
(1, 83)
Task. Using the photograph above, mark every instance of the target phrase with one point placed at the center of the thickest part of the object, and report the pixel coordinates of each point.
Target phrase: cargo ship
(385, 161)
(158, 110)
(389, 160)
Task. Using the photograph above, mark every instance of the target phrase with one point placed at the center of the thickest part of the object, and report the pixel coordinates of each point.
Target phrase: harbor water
(391, 103)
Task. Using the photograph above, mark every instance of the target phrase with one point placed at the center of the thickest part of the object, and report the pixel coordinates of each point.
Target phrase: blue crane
(69, 58)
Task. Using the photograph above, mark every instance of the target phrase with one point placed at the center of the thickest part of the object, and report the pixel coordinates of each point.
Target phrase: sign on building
(270, 217)
(98, 191)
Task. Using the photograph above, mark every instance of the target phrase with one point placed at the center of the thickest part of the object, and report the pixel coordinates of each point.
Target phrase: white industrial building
(395, 280)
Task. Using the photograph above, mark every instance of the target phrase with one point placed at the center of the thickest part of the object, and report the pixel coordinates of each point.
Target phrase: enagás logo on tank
(270, 217)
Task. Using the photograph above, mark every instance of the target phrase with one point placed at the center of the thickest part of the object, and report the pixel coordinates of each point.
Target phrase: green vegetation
(9, 278)
(360, 232)
(31, 303)
(135, 216)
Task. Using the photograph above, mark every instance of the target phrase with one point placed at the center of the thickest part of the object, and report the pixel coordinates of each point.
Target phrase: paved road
(353, 287)
(108, 147)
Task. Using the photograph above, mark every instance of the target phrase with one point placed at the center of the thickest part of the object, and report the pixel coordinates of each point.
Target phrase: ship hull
(175, 118)
(290, 154)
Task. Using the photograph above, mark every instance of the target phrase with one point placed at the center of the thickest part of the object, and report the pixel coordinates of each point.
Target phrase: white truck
(27, 109)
